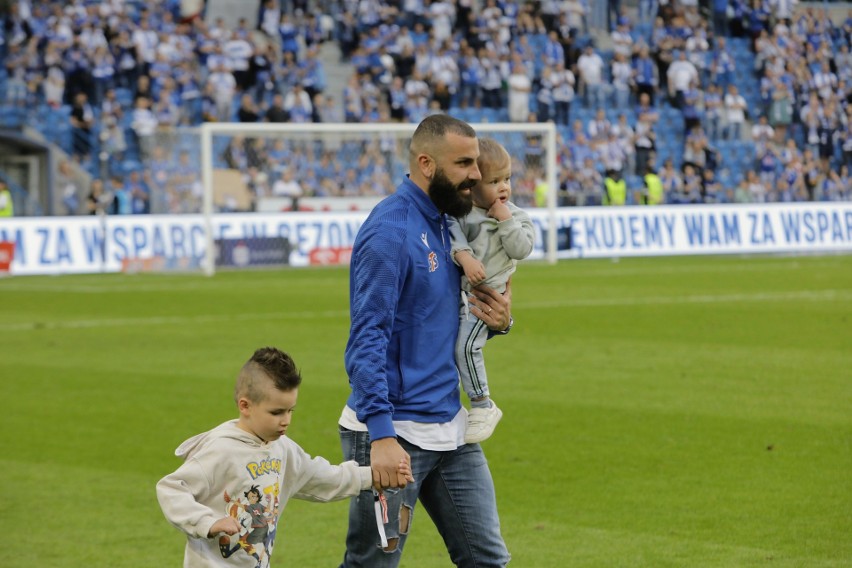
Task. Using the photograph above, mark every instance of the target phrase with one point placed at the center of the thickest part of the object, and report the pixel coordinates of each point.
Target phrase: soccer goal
(344, 169)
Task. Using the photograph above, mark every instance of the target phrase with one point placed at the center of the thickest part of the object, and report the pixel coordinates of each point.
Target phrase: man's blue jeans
(455, 488)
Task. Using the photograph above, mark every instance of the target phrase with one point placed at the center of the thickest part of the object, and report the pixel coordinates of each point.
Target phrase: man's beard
(447, 196)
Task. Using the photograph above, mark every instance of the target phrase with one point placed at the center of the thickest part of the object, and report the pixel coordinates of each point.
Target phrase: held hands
(400, 478)
(391, 464)
(404, 469)
(227, 525)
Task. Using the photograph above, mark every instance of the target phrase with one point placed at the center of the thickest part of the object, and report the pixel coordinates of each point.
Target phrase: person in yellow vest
(541, 193)
(615, 189)
(654, 193)
(6, 207)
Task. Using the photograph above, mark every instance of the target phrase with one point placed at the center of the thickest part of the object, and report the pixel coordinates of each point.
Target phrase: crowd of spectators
(679, 90)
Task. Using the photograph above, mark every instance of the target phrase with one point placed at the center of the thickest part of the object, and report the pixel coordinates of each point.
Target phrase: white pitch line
(803, 295)
(169, 320)
(128, 284)
(806, 295)
(123, 287)
(617, 269)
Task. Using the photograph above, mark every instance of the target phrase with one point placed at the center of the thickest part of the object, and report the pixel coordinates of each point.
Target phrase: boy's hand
(405, 470)
(499, 210)
(475, 271)
(227, 525)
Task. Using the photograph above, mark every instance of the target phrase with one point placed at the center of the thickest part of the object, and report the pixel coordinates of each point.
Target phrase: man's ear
(427, 165)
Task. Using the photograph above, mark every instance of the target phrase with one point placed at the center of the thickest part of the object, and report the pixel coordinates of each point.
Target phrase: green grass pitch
(659, 412)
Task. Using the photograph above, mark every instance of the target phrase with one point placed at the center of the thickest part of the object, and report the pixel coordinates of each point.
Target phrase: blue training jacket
(404, 298)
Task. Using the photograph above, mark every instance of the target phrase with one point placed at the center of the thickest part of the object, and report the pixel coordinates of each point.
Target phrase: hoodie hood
(229, 429)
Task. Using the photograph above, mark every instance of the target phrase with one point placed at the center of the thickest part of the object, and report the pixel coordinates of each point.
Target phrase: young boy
(237, 478)
(487, 244)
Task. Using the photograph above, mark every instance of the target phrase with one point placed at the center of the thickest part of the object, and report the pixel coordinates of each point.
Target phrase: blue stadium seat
(739, 43)
(634, 182)
(669, 130)
(578, 112)
(12, 116)
(537, 41)
(744, 149)
(490, 115)
(642, 30)
(124, 96)
(671, 113)
(458, 112)
(474, 114)
(130, 165)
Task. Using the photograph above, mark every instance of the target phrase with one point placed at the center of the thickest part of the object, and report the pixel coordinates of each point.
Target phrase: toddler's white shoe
(481, 423)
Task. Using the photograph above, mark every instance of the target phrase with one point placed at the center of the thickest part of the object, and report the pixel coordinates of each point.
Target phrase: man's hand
(386, 455)
(227, 525)
(493, 308)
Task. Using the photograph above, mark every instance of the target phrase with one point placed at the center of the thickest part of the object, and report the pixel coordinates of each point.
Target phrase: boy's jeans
(456, 489)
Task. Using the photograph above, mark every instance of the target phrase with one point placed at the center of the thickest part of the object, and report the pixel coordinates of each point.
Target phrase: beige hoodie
(231, 472)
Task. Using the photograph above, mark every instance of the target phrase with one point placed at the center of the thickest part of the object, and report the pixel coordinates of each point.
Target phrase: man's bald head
(431, 134)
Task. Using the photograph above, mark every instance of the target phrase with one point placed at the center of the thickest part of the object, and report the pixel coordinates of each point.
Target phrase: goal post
(266, 168)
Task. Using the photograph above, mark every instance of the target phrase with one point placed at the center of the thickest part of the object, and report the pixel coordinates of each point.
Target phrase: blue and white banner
(704, 229)
(64, 245)
(58, 245)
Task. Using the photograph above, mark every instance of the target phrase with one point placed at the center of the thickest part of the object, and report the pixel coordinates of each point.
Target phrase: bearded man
(405, 405)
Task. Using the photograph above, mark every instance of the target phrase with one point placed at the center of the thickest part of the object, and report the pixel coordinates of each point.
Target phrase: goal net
(253, 176)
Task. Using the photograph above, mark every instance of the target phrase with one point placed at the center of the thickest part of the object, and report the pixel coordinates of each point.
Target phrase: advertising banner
(257, 251)
(60, 245)
(705, 229)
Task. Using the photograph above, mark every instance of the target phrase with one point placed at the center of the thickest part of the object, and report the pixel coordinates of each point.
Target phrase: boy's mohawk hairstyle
(267, 364)
(279, 366)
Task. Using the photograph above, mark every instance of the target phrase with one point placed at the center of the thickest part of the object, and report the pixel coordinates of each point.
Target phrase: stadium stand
(106, 82)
